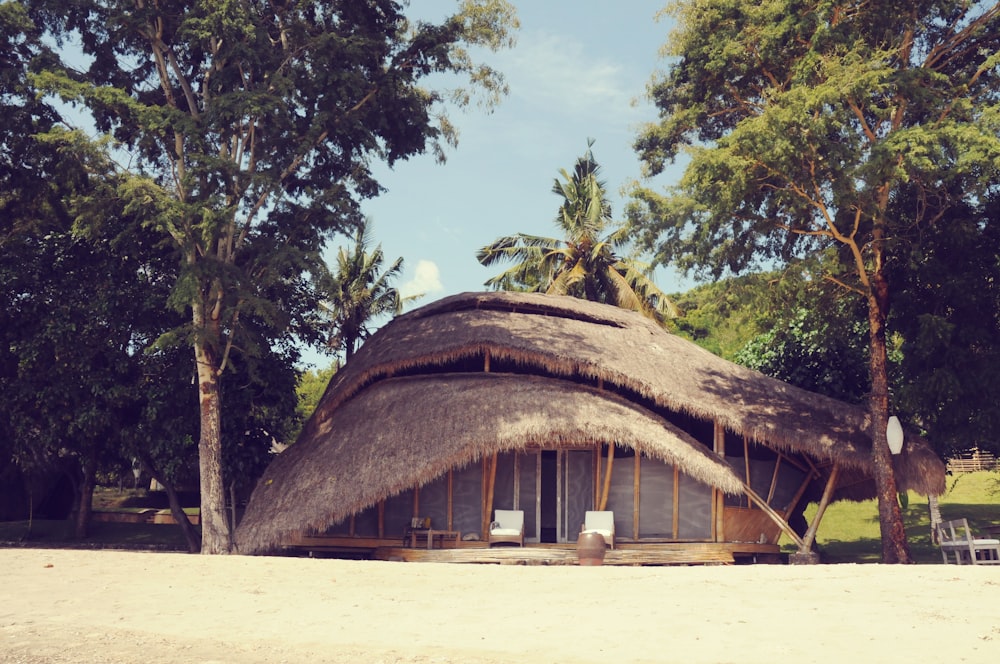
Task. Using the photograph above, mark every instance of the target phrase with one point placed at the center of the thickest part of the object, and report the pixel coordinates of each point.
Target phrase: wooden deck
(666, 553)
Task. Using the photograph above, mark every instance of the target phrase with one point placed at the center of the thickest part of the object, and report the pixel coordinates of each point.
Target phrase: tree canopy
(245, 133)
(947, 311)
(811, 127)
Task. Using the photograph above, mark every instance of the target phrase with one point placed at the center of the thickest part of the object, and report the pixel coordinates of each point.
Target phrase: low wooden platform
(672, 553)
(654, 554)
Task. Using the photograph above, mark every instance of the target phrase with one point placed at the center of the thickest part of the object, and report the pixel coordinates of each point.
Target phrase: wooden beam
(831, 483)
(798, 464)
(484, 483)
(635, 496)
(597, 476)
(677, 503)
(451, 504)
(381, 518)
(607, 478)
(489, 491)
(746, 462)
(517, 481)
(774, 478)
(718, 498)
(798, 494)
(812, 467)
(777, 518)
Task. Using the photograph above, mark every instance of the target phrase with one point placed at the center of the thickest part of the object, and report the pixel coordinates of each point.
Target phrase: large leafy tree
(359, 291)
(249, 129)
(947, 309)
(586, 263)
(810, 126)
(68, 305)
(78, 314)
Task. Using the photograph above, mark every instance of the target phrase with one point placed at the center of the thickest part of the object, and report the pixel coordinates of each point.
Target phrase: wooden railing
(972, 461)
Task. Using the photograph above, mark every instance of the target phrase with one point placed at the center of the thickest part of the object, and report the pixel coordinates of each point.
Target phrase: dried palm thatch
(477, 373)
(415, 428)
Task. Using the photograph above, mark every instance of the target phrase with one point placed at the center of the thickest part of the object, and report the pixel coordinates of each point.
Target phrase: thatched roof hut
(480, 373)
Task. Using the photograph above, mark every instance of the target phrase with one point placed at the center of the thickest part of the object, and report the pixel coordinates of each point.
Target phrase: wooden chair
(508, 526)
(602, 523)
(956, 538)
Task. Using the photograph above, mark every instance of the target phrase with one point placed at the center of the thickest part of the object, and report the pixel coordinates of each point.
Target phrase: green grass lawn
(849, 531)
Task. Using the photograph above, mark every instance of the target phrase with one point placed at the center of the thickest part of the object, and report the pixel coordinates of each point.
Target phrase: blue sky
(579, 70)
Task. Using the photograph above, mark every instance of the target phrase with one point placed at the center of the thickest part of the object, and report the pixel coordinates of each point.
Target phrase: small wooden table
(429, 535)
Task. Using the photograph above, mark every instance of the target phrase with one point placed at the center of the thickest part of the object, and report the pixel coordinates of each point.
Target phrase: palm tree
(584, 264)
(359, 292)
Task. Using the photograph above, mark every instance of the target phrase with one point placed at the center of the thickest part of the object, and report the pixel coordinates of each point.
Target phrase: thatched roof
(414, 401)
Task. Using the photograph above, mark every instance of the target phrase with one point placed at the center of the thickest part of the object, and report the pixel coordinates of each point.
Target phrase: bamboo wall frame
(603, 468)
(718, 497)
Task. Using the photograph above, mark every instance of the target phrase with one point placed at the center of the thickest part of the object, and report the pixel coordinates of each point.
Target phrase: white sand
(101, 606)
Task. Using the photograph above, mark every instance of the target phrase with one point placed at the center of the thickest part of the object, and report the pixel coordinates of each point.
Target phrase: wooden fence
(972, 461)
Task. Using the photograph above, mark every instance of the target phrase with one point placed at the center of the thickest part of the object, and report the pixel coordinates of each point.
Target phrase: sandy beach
(62, 606)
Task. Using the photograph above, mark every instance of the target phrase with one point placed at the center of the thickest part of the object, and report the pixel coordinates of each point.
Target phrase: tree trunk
(177, 511)
(85, 500)
(190, 532)
(214, 526)
(895, 548)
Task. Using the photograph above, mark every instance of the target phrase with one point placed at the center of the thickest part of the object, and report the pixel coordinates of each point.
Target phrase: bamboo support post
(676, 516)
(718, 497)
(777, 518)
(492, 485)
(746, 463)
(799, 493)
(635, 496)
(607, 477)
(774, 478)
(451, 489)
(806, 545)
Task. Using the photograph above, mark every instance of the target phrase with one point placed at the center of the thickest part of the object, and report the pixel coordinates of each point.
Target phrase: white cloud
(560, 72)
(426, 280)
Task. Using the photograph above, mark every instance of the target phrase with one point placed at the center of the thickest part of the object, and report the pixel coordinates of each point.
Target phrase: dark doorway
(550, 517)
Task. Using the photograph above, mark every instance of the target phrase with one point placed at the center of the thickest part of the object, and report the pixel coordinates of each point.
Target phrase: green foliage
(77, 383)
(844, 128)
(250, 130)
(948, 313)
(359, 292)
(789, 325)
(800, 120)
(723, 316)
(312, 385)
(586, 263)
(814, 351)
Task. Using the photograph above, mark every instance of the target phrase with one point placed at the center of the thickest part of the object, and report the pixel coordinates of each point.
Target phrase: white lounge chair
(602, 523)
(508, 526)
(955, 537)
